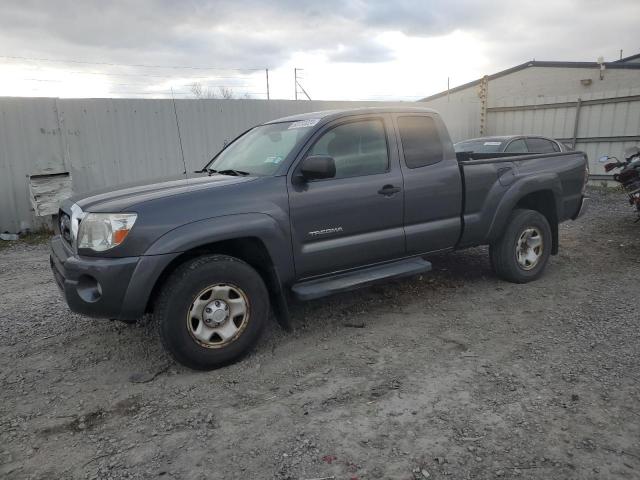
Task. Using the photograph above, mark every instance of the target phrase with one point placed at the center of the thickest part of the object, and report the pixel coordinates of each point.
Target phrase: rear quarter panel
(493, 189)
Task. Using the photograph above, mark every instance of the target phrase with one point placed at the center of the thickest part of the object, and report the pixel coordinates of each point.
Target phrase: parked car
(516, 144)
(302, 207)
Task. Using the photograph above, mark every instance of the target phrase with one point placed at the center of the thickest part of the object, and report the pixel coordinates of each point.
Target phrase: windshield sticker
(492, 143)
(275, 159)
(304, 123)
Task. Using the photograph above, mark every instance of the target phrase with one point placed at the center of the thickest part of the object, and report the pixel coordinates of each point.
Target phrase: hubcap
(215, 313)
(218, 315)
(529, 248)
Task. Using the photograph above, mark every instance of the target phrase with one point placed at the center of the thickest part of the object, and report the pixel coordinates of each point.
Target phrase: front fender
(517, 191)
(274, 236)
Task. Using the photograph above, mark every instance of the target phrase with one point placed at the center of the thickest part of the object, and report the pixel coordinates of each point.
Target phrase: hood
(117, 199)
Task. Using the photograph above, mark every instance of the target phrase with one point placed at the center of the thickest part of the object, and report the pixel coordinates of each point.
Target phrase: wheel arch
(256, 238)
(251, 250)
(539, 193)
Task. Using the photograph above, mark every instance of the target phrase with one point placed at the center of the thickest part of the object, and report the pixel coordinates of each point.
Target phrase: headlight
(102, 231)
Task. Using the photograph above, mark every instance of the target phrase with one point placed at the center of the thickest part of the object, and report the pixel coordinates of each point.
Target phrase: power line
(186, 67)
(209, 85)
(152, 76)
(168, 92)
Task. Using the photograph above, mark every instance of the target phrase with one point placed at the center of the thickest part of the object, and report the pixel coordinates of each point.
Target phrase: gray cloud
(361, 51)
(263, 33)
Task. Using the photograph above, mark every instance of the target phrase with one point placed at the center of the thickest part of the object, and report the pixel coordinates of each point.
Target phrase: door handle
(388, 190)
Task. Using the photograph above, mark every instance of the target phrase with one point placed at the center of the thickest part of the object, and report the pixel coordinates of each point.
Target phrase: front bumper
(105, 287)
(583, 208)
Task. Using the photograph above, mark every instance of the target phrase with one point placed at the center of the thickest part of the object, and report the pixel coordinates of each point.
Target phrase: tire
(514, 256)
(236, 300)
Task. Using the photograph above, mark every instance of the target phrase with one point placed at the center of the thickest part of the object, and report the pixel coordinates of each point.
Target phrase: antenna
(175, 111)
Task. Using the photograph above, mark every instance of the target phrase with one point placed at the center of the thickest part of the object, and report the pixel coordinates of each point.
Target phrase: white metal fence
(107, 142)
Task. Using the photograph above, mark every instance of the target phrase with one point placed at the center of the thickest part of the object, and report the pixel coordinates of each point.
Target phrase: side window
(540, 145)
(517, 146)
(358, 148)
(420, 141)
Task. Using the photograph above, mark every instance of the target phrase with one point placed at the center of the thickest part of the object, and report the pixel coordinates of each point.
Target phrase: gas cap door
(506, 174)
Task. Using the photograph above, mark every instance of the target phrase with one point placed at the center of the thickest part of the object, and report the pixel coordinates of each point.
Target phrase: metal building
(591, 106)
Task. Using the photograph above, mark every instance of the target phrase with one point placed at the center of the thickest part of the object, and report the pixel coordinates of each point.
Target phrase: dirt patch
(454, 374)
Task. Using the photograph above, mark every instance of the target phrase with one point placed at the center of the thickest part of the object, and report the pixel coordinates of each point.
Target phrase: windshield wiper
(235, 173)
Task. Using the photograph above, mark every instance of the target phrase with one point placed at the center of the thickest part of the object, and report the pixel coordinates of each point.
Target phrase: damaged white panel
(48, 191)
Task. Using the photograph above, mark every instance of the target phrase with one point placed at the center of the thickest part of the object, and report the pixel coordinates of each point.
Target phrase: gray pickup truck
(303, 207)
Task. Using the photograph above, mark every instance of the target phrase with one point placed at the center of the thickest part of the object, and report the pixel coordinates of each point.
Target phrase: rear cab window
(517, 146)
(421, 143)
(541, 145)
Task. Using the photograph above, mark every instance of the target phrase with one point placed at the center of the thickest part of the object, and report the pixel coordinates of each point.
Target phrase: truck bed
(494, 184)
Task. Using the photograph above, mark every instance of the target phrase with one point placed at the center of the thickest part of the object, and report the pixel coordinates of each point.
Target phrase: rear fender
(517, 191)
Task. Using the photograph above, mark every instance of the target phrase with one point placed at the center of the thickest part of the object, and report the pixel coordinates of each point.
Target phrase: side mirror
(603, 159)
(318, 167)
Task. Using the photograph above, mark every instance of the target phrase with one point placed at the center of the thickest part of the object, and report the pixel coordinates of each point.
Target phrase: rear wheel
(211, 311)
(522, 252)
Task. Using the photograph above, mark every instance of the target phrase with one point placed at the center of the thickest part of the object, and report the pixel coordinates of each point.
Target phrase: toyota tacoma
(299, 208)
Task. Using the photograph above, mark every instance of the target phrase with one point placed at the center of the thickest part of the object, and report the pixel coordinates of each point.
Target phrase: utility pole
(266, 71)
(298, 85)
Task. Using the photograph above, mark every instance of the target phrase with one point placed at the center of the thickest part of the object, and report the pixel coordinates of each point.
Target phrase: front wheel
(522, 252)
(211, 311)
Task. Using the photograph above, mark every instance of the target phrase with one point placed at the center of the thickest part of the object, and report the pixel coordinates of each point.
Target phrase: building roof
(629, 58)
(618, 64)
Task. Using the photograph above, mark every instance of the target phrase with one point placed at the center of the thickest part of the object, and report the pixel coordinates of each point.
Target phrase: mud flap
(279, 302)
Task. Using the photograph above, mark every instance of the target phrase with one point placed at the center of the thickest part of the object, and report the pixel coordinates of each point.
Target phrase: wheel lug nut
(208, 310)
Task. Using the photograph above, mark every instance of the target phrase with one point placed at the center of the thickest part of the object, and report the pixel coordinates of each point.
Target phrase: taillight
(610, 166)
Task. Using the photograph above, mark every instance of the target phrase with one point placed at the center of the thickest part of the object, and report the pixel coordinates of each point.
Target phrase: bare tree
(198, 91)
(225, 93)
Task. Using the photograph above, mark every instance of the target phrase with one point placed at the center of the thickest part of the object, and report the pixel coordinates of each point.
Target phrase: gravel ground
(455, 374)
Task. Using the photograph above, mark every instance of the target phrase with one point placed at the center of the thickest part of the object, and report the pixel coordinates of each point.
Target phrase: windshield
(260, 150)
(479, 146)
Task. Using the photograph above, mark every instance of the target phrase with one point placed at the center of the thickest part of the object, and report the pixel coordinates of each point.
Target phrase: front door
(355, 218)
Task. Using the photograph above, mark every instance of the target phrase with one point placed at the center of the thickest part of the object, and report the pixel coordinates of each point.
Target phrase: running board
(360, 278)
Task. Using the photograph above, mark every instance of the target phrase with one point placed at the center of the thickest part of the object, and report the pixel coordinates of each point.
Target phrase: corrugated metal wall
(106, 142)
(514, 100)
(607, 123)
(460, 115)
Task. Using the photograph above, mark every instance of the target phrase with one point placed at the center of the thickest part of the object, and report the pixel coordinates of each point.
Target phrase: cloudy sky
(348, 49)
